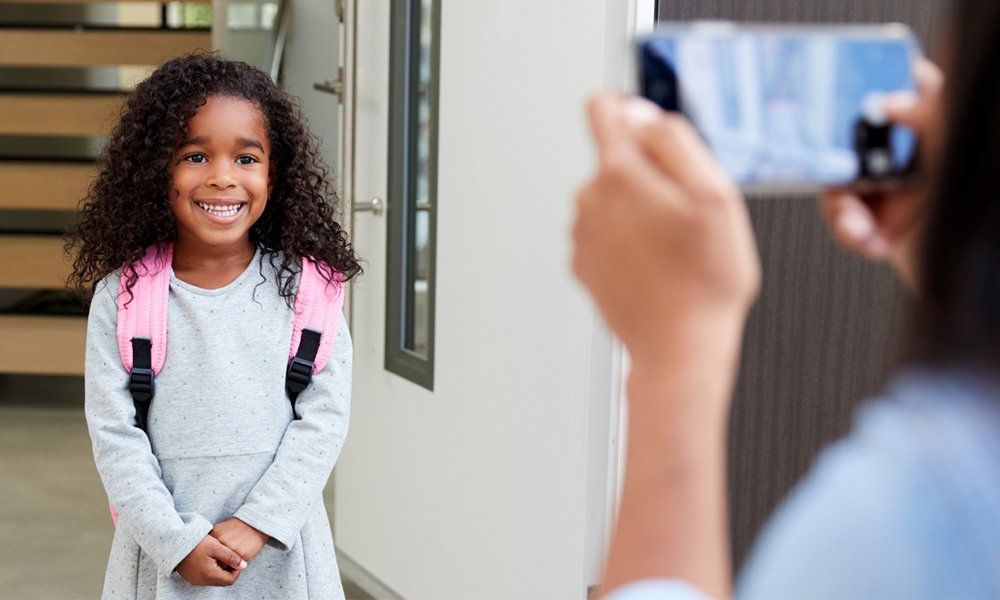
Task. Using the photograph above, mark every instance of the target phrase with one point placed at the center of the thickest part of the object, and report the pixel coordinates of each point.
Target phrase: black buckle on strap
(299, 374)
(140, 384)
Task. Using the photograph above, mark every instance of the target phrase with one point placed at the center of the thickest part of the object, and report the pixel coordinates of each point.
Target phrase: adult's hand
(886, 226)
(204, 564)
(663, 239)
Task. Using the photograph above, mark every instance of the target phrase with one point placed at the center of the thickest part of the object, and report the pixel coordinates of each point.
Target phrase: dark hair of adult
(127, 209)
(958, 310)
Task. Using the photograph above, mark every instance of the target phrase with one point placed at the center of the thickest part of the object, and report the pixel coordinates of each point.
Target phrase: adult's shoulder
(900, 507)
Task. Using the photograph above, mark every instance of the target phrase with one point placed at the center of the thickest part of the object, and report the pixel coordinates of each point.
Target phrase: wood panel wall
(822, 336)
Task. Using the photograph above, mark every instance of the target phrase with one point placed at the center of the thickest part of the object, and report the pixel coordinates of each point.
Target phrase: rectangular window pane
(412, 189)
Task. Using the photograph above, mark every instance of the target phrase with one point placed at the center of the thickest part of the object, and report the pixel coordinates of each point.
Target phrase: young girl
(223, 487)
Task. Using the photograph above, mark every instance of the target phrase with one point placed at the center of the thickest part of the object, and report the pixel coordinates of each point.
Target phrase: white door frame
(607, 426)
(345, 154)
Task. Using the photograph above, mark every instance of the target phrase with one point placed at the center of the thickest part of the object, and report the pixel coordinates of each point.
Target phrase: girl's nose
(221, 176)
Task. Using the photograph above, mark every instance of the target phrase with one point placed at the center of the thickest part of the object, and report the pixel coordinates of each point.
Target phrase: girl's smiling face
(220, 176)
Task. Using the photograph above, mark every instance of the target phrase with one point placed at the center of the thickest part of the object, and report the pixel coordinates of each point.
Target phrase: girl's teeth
(221, 212)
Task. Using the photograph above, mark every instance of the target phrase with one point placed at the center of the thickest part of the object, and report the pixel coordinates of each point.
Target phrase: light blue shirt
(906, 506)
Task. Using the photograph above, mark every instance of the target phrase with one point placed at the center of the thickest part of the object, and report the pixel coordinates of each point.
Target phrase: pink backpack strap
(318, 304)
(145, 315)
(142, 323)
(142, 327)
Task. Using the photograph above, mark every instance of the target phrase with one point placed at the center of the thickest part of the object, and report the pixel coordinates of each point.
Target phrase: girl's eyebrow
(250, 143)
(195, 141)
(242, 141)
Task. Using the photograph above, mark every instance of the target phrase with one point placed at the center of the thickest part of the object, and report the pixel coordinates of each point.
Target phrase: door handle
(376, 206)
(332, 86)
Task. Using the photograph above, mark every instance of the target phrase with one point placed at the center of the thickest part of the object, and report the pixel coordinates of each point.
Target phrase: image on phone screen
(781, 106)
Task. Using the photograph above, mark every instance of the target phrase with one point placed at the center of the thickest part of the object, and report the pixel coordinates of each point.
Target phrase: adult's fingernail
(243, 564)
(639, 111)
(898, 102)
(855, 224)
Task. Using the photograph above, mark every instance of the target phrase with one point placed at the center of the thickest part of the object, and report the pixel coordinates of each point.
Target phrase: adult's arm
(664, 245)
(672, 521)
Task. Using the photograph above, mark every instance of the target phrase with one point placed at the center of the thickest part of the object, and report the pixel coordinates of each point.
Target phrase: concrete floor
(55, 530)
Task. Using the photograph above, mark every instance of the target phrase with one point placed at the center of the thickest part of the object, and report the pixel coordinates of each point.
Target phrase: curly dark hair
(126, 209)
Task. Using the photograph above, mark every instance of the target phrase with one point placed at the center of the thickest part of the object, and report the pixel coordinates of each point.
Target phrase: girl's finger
(225, 555)
(222, 577)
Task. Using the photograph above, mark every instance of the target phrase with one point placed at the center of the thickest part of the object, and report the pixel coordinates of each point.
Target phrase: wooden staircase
(39, 337)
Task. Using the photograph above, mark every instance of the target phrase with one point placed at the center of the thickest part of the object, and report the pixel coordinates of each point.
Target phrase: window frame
(404, 66)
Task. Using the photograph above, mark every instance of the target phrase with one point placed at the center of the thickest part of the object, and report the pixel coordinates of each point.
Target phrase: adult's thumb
(225, 554)
(903, 108)
(921, 108)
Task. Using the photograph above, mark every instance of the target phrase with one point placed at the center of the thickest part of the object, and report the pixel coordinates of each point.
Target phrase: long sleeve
(283, 498)
(904, 507)
(124, 458)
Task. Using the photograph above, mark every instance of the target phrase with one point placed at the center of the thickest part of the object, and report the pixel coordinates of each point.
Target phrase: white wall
(492, 485)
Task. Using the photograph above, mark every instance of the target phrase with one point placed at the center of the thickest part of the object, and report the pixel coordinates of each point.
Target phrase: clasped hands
(223, 554)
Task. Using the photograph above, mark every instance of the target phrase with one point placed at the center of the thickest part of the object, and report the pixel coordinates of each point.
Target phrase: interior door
(489, 478)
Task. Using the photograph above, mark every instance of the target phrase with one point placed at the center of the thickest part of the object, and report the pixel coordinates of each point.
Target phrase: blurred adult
(908, 504)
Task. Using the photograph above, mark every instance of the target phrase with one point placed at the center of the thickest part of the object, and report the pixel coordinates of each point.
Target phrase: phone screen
(781, 105)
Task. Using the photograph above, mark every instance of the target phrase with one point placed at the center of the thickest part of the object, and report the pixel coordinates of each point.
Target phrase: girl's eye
(246, 160)
(196, 158)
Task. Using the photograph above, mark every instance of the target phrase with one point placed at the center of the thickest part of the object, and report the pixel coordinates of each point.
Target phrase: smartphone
(788, 108)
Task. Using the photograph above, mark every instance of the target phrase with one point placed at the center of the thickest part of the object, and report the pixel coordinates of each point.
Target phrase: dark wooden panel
(93, 48)
(65, 185)
(822, 335)
(31, 114)
(42, 345)
(33, 262)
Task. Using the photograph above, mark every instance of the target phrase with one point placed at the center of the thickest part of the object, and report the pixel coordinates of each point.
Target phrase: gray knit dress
(222, 442)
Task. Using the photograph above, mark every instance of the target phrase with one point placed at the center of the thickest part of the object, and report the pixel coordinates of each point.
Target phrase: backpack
(142, 328)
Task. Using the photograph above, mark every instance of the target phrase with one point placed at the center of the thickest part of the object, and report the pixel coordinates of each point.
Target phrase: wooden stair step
(33, 262)
(58, 114)
(44, 345)
(43, 185)
(32, 47)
